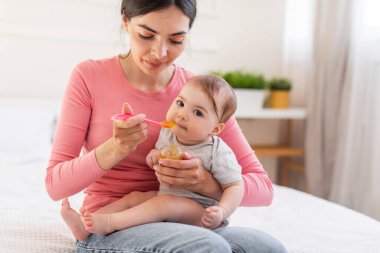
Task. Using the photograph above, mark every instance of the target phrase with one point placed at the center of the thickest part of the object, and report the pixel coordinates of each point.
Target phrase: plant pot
(249, 99)
(279, 99)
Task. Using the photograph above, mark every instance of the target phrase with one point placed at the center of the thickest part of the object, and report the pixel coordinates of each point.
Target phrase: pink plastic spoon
(165, 123)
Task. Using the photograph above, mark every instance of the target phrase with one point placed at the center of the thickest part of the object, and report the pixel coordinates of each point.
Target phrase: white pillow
(26, 129)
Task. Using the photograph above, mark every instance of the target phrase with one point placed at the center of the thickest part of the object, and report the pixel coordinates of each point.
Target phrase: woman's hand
(188, 174)
(127, 135)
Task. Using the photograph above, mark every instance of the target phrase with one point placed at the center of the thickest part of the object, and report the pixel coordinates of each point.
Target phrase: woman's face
(157, 39)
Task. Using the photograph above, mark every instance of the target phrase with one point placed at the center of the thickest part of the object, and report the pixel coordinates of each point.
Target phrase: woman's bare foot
(73, 221)
(99, 224)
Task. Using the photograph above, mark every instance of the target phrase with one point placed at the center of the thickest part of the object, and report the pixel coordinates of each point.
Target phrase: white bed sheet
(305, 223)
(30, 220)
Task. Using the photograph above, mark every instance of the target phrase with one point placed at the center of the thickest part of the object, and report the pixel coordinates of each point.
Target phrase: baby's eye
(198, 113)
(180, 103)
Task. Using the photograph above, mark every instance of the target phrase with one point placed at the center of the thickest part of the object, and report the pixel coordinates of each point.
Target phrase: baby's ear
(218, 128)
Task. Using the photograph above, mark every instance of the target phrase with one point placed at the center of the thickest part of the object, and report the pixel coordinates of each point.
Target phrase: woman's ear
(125, 22)
(218, 128)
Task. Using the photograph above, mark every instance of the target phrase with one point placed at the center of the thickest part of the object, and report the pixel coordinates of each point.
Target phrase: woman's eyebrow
(178, 33)
(154, 31)
(148, 28)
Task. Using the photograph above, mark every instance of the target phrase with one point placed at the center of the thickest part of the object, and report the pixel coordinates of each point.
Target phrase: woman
(113, 164)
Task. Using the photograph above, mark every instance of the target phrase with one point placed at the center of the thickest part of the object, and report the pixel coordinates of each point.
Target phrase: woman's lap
(165, 237)
(250, 240)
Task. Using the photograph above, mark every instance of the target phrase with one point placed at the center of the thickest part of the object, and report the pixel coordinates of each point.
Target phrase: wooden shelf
(278, 151)
(284, 151)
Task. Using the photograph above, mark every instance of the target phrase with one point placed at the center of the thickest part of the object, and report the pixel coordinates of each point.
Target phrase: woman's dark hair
(133, 8)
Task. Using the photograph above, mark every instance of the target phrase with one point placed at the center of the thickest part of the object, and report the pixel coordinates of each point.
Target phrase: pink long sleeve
(66, 167)
(258, 189)
(96, 91)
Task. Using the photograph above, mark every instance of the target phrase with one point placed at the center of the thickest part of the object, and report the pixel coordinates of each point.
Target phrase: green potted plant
(244, 80)
(279, 92)
(250, 88)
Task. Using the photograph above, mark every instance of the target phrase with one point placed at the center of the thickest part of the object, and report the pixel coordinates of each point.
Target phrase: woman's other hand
(127, 135)
(188, 174)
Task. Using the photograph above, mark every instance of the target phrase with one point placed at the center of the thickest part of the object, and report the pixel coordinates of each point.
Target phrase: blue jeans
(166, 237)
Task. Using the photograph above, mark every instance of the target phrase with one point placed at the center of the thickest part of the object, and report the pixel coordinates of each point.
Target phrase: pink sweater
(96, 91)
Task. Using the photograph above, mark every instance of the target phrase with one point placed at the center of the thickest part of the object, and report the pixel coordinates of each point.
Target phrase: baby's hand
(213, 217)
(152, 158)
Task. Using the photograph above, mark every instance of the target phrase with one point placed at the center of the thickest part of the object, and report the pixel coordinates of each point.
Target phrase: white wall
(41, 41)
(246, 34)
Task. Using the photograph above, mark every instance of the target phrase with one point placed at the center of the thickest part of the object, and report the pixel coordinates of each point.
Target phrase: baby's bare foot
(99, 224)
(73, 221)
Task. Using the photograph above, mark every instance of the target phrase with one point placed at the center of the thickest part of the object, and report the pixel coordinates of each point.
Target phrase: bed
(30, 221)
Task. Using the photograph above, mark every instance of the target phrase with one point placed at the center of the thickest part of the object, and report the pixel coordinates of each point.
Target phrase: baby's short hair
(213, 86)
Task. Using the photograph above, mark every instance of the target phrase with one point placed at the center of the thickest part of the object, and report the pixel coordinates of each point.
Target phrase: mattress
(30, 220)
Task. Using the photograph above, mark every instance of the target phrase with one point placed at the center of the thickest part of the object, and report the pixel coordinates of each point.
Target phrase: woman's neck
(141, 80)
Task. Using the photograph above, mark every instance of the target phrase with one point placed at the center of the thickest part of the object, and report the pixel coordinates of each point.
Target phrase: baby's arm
(231, 198)
(152, 158)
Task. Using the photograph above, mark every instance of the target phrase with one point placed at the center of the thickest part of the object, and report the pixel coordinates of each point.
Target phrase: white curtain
(338, 61)
(298, 43)
(356, 178)
(326, 91)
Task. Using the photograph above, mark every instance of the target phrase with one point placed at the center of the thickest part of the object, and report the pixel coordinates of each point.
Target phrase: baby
(200, 111)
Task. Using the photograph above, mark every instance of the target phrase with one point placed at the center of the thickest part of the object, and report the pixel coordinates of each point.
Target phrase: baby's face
(194, 115)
